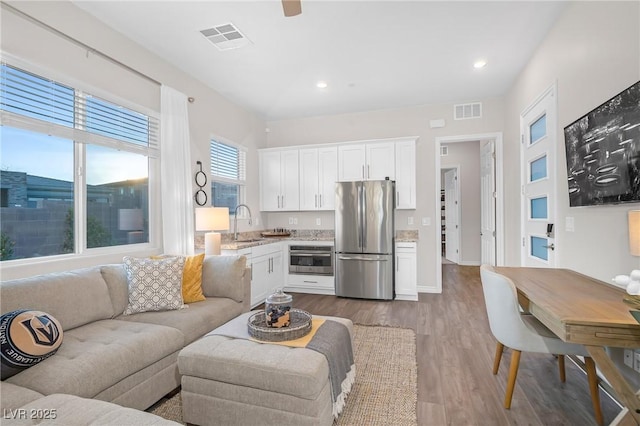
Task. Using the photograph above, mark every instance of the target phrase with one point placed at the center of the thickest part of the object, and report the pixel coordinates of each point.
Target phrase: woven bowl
(300, 326)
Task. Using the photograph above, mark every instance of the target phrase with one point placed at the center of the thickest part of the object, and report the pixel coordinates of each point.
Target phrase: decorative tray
(275, 234)
(300, 326)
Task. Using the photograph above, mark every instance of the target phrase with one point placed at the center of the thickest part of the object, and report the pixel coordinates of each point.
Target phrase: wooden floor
(455, 351)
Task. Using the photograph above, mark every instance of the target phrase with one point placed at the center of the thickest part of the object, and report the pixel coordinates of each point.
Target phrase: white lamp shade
(130, 220)
(634, 232)
(212, 219)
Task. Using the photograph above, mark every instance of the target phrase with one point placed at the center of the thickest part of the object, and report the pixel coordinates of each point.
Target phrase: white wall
(413, 121)
(466, 155)
(593, 53)
(211, 114)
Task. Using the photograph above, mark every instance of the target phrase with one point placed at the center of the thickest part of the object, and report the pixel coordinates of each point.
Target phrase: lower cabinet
(267, 269)
(315, 284)
(406, 271)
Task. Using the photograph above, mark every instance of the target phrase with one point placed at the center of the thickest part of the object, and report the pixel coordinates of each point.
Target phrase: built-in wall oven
(311, 260)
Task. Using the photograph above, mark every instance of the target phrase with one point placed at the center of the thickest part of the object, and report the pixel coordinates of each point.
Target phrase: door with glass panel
(538, 144)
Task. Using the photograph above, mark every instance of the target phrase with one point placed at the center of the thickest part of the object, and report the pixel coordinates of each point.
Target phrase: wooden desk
(580, 309)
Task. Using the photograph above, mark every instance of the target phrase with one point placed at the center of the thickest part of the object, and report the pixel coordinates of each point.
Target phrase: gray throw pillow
(154, 284)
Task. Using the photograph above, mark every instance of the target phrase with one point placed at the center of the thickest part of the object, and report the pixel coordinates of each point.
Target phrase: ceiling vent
(466, 111)
(225, 36)
(444, 150)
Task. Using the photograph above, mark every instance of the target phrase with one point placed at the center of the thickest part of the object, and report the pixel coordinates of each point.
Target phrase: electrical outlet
(636, 360)
(290, 221)
(255, 221)
(295, 220)
(628, 358)
(318, 221)
(410, 220)
(426, 221)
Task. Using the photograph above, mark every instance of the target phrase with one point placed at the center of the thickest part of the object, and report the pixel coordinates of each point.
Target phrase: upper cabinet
(304, 178)
(406, 174)
(368, 161)
(318, 176)
(279, 189)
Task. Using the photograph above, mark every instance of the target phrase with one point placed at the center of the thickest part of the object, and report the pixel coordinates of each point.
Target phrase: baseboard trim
(427, 289)
(409, 297)
(470, 263)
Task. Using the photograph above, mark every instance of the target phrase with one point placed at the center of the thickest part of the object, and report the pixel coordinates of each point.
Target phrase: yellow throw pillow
(191, 278)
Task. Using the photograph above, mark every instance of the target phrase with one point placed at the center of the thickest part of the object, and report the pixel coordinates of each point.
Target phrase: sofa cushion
(116, 278)
(194, 321)
(98, 355)
(13, 396)
(72, 410)
(27, 337)
(154, 284)
(74, 298)
(222, 275)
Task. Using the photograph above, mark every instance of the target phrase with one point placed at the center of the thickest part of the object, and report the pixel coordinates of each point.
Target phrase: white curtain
(175, 174)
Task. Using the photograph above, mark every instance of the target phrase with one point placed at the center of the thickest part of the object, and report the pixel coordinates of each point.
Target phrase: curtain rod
(78, 42)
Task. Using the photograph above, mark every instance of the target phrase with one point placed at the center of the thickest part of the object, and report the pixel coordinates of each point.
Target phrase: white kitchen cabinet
(406, 271)
(366, 161)
(351, 162)
(318, 176)
(279, 185)
(267, 269)
(406, 174)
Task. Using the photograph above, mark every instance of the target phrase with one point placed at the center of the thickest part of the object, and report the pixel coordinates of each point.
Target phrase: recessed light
(321, 85)
(479, 64)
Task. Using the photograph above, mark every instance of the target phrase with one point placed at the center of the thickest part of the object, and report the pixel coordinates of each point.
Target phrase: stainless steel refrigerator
(364, 242)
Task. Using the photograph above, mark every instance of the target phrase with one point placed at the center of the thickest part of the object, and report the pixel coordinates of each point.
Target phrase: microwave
(311, 260)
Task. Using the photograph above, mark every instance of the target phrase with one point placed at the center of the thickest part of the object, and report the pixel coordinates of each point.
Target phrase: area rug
(385, 391)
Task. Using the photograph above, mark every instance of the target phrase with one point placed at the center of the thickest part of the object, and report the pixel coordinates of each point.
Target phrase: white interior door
(538, 138)
(451, 221)
(488, 204)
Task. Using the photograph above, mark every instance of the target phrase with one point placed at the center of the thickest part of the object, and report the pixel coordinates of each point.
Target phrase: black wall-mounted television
(603, 152)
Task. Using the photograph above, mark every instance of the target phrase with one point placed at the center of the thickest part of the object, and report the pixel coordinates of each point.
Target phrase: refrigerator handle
(361, 258)
(359, 213)
(363, 216)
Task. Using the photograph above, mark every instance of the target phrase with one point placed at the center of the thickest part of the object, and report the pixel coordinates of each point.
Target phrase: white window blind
(228, 163)
(25, 96)
(228, 175)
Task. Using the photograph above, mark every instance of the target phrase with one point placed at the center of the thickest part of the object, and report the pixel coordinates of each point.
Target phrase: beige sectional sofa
(126, 360)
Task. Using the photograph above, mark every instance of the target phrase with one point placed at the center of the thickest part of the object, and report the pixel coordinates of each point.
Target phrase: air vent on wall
(466, 111)
(444, 150)
(225, 36)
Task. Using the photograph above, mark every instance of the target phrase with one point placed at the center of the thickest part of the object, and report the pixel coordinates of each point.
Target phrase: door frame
(497, 138)
(455, 167)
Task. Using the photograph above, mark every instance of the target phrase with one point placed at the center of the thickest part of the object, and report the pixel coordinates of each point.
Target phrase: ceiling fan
(291, 7)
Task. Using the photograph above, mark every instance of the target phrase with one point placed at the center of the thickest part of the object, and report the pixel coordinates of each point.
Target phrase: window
(538, 130)
(228, 175)
(74, 169)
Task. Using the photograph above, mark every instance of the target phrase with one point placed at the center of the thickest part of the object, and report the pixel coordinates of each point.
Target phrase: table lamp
(634, 232)
(212, 219)
(131, 220)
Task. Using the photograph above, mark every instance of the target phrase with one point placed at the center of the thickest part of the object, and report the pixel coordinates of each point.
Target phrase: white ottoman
(228, 381)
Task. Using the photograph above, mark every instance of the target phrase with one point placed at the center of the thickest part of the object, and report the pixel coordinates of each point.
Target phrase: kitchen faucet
(235, 220)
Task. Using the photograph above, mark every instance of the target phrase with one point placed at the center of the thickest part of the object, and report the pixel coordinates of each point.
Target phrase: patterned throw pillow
(191, 277)
(154, 284)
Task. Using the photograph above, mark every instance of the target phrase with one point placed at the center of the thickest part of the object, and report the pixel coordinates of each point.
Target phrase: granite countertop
(254, 239)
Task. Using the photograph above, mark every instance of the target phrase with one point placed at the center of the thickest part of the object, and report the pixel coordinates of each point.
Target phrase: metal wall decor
(201, 181)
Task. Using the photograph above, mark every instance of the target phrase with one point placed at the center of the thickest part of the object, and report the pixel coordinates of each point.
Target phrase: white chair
(523, 332)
